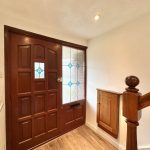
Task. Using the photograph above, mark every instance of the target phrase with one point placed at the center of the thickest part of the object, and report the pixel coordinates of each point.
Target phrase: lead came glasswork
(39, 70)
(73, 74)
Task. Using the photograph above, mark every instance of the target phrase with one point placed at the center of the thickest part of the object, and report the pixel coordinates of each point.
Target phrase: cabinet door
(108, 112)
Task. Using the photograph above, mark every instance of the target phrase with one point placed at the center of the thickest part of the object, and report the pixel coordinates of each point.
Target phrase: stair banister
(133, 103)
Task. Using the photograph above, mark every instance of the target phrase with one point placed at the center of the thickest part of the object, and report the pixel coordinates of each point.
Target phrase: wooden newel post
(130, 110)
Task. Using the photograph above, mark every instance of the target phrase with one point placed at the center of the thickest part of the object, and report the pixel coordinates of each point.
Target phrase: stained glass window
(39, 70)
(73, 74)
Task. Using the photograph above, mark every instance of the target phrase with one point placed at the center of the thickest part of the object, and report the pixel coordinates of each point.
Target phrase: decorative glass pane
(81, 58)
(74, 56)
(39, 70)
(81, 74)
(74, 92)
(80, 91)
(66, 74)
(66, 94)
(66, 55)
(73, 74)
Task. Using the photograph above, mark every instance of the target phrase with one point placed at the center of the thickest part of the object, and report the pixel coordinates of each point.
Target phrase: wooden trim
(113, 92)
(7, 90)
(144, 101)
(35, 35)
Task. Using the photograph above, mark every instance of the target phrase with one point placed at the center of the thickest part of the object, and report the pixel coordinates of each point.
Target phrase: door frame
(7, 30)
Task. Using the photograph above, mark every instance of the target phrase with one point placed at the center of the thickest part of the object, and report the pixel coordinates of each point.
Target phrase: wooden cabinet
(108, 111)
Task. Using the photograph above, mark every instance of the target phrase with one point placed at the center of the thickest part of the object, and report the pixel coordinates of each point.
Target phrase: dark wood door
(35, 98)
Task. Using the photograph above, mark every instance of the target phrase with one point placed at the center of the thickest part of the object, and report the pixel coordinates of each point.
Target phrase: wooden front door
(35, 94)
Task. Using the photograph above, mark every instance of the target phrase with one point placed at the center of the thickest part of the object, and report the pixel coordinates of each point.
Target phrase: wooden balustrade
(133, 103)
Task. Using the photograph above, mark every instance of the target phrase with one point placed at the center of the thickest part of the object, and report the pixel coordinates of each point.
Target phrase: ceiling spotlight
(96, 17)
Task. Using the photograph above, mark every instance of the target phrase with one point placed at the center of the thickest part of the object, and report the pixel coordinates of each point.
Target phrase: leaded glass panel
(39, 70)
(73, 74)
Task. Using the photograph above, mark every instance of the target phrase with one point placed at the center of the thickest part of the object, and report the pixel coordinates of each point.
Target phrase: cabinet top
(109, 91)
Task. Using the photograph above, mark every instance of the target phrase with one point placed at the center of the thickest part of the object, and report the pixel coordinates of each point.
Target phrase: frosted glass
(66, 94)
(66, 55)
(81, 71)
(36, 75)
(81, 58)
(74, 93)
(80, 91)
(39, 70)
(74, 74)
(66, 74)
(74, 56)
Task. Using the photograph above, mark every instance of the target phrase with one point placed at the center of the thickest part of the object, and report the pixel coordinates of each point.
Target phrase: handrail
(133, 103)
(144, 101)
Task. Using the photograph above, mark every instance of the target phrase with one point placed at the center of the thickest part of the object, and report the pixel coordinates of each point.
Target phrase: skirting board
(111, 140)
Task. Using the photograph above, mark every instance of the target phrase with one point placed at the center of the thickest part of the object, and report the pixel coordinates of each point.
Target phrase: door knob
(59, 79)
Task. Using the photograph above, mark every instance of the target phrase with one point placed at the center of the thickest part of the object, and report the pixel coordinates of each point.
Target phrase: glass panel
(66, 94)
(66, 74)
(74, 92)
(81, 58)
(39, 70)
(73, 74)
(74, 56)
(66, 55)
(80, 91)
(81, 74)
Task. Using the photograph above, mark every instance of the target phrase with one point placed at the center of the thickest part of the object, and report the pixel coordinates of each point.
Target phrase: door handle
(59, 79)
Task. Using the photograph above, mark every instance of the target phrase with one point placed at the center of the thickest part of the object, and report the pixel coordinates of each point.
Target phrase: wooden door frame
(7, 30)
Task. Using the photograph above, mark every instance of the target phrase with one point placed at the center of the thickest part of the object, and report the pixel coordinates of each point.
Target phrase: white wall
(7, 18)
(110, 58)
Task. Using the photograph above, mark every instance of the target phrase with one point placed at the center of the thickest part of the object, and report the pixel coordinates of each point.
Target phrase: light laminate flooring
(81, 138)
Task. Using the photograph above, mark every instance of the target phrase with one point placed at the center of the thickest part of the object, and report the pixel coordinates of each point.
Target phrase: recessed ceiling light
(96, 17)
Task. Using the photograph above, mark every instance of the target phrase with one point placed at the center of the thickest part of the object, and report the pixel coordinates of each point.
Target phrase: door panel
(35, 94)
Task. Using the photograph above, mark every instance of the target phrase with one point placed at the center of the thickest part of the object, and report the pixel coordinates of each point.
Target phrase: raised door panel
(108, 111)
(24, 82)
(67, 117)
(39, 103)
(52, 101)
(52, 55)
(25, 131)
(79, 113)
(39, 126)
(52, 123)
(52, 80)
(25, 106)
(105, 111)
(24, 56)
(39, 51)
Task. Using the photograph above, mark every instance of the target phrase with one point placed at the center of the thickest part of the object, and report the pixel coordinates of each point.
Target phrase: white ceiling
(75, 17)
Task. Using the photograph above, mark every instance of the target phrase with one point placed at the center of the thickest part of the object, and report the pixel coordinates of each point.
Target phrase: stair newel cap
(132, 82)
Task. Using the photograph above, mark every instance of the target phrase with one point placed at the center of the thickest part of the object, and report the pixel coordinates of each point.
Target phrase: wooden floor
(81, 138)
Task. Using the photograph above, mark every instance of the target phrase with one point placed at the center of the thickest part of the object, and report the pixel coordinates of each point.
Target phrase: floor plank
(81, 138)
